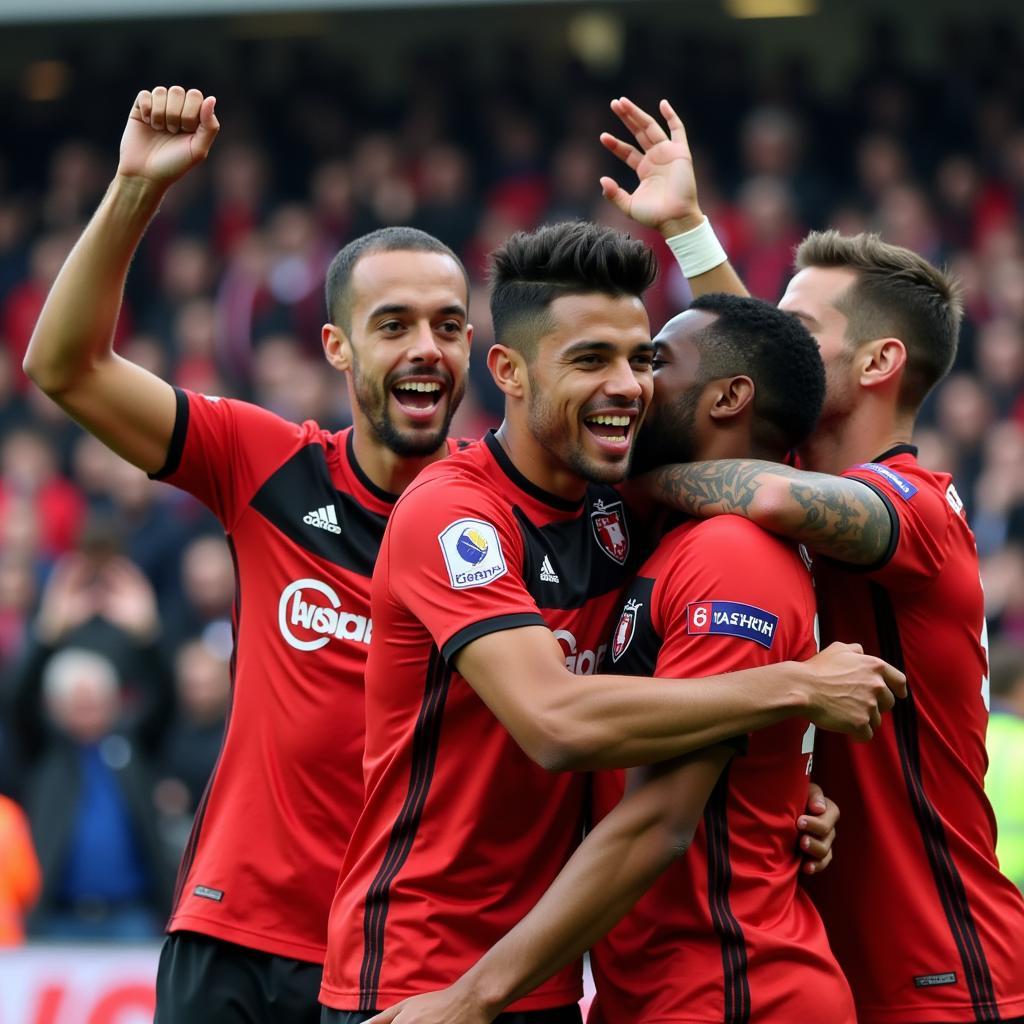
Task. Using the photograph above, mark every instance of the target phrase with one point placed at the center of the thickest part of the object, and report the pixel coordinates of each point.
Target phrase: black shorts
(559, 1015)
(202, 980)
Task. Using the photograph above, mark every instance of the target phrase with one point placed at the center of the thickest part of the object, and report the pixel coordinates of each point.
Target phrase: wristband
(698, 250)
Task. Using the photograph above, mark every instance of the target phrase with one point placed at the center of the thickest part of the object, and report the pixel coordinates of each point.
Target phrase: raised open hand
(666, 195)
(168, 132)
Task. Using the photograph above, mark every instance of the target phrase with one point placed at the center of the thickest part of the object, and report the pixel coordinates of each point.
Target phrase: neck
(388, 470)
(867, 431)
(538, 465)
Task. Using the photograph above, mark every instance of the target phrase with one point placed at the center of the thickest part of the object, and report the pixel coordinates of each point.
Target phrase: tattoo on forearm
(833, 515)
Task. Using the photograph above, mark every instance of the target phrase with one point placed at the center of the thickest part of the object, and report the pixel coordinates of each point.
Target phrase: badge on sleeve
(903, 487)
(472, 553)
(732, 619)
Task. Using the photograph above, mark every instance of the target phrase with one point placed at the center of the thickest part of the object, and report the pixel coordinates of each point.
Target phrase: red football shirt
(923, 923)
(461, 832)
(726, 933)
(304, 525)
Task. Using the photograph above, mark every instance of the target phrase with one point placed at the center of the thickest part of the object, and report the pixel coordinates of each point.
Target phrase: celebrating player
(304, 511)
(900, 574)
(724, 934)
(492, 596)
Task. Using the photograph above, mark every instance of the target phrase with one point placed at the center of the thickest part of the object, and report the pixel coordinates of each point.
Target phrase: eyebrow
(397, 309)
(805, 317)
(578, 347)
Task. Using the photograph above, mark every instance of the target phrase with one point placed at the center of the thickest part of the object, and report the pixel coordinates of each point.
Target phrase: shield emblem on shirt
(609, 523)
(625, 629)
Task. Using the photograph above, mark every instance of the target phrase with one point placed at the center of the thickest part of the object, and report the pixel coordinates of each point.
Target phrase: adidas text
(323, 518)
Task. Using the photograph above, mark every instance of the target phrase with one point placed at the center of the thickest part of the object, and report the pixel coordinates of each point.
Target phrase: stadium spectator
(20, 876)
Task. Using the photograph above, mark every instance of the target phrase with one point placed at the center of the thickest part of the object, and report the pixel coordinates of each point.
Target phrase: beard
(668, 434)
(372, 398)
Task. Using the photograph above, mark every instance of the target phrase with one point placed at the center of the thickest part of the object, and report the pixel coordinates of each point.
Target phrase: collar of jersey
(377, 492)
(506, 466)
(897, 449)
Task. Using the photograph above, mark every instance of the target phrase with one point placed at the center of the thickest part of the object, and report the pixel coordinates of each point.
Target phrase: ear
(508, 368)
(882, 361)
(730, 397)
(337, 347)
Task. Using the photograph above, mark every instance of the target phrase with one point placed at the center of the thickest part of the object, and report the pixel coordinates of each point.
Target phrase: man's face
(590, 383)
(410, 340)
(811, 296)
(670, 432)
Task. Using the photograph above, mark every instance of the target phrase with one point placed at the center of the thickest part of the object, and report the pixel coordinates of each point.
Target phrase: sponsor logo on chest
(581, 662)
(310, 615)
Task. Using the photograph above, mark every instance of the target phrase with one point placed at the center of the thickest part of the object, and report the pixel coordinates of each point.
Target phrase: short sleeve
(922, 519)
(732, 597)
(222, 450)
(455, 560)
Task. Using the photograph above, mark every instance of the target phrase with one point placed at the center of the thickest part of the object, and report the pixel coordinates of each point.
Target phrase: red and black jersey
(461, 832)
(304, 525)
(726, 934)
(925, 926)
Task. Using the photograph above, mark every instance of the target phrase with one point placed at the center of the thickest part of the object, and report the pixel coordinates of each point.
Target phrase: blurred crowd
(116, 591)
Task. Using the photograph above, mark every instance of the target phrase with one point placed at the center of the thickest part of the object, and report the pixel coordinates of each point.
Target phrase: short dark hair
(531, 270)
(897, 294)
(338, 294)
(756, 339)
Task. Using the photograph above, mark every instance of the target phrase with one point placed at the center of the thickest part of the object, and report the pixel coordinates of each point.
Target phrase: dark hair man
(923, 923)
(493, 594)
(304, 510)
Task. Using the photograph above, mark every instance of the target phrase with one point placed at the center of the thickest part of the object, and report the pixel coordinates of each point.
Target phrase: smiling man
(492, 599)
(304, 510)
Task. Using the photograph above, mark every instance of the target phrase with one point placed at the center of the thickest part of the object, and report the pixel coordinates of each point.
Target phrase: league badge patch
(608, 520)
(903, 487)
(626, 628)
(732, 619)
(472, 553)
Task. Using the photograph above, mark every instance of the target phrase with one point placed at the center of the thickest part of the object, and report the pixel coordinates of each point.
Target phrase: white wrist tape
(698, 250)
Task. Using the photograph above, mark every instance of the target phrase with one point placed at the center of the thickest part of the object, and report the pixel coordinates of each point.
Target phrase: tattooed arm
(835, 516)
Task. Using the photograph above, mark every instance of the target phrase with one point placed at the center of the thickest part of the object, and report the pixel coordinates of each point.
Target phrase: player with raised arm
(898, 571)
(304, 510)
(725, 933)
(492, 598)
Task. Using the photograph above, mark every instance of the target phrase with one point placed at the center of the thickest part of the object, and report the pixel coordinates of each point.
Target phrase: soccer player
(924, 925)
(304, 511)
(725, 933)
(492, 598)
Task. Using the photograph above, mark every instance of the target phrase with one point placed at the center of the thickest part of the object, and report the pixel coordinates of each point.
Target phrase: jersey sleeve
(455, 557)
(921, 523)
(732, 597)
(222, 450)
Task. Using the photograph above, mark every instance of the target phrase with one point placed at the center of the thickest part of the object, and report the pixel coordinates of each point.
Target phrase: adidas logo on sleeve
(323, 518)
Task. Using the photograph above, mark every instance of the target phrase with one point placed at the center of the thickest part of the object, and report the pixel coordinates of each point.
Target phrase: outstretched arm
(70, 355)
(613, 867)
(834, 516)
(665, 197)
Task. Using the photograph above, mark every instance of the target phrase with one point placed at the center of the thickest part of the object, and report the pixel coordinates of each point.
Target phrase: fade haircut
(752, 338)
(531, 270)
(338, 290)
(897, 294)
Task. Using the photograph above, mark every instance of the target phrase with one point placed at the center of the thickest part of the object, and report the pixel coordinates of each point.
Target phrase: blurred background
(469, 120)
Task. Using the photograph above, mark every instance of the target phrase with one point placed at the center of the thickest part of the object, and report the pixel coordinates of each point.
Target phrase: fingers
(142, 109)
(647, 131)
(191, 105)
(615, 194)
(674, 122)
(157, 117)
(894, 679)
(628, 154)
(815, 848)
(200, 143)
(172, 112)
(812, 867)
(816, 802)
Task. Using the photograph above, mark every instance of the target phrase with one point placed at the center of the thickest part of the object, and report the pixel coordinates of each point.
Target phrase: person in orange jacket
(20, 877)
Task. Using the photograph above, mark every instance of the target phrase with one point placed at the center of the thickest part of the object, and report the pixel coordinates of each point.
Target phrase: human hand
(126, 599)
(849, 691)
(168, 132)
(666, 195)
(67, 600)
(818, 827)
(451, 1005)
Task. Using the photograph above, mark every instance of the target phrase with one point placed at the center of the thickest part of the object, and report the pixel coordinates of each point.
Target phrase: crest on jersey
(609, 524)
(626, 628)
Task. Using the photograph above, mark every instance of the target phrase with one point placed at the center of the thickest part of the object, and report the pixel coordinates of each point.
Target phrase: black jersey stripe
(730, 933)
(426, 738)
(189, 855)
(947, 877)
